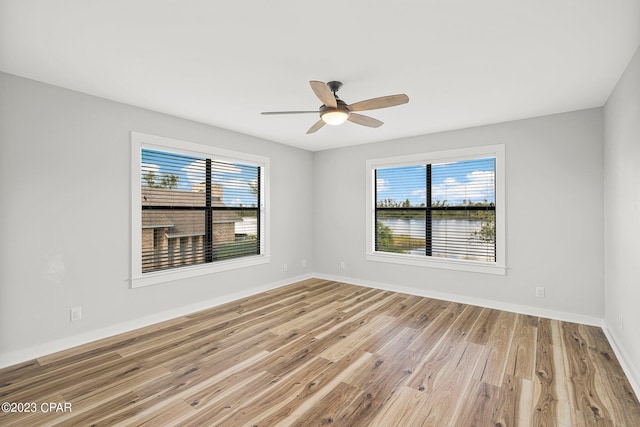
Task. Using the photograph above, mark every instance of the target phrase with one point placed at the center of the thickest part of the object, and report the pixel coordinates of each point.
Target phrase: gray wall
(554, 216)
(622, 215)
(65, 216)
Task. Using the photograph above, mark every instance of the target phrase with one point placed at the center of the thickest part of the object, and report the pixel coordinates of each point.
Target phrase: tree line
(392, 203)
(166, 180)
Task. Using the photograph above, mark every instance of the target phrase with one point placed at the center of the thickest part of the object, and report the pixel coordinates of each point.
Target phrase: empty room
(363, 213)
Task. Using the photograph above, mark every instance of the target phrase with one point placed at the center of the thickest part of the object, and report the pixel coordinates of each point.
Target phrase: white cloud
(195, 171)
(381, 184)
(149, 167)
(236, 184)
(478, 187)
(219, 166)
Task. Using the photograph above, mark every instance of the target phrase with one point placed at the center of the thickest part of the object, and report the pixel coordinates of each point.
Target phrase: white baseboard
(498, 305)
(630, 370)
(23, 355)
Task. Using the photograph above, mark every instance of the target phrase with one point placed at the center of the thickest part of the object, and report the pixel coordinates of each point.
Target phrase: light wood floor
(326, 353)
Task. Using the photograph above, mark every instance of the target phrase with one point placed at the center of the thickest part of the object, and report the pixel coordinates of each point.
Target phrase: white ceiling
(462, 62)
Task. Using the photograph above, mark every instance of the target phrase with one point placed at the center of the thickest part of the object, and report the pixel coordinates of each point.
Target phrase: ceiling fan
(335, 111)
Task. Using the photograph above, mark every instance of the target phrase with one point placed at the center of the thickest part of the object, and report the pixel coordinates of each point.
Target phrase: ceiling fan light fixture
(334, 117)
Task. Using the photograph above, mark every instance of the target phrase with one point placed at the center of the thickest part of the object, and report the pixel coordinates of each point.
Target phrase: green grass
(401, 243)
(237, 249)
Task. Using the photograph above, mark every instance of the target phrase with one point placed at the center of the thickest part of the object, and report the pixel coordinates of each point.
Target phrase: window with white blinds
(196, 208)
(441, 207)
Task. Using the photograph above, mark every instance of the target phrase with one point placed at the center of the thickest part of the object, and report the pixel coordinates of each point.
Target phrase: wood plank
(483, 326)
(520, 362)
(499, 345)
(525, 406)
(447, 389)
(545, 406)
(564, 413)
(581, 375)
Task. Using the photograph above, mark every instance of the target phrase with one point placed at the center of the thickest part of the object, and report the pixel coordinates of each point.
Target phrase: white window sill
(443, 263)
(179, 273)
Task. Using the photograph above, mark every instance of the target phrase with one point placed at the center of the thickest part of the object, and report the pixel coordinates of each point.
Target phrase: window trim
(498, 152)
(141, 140)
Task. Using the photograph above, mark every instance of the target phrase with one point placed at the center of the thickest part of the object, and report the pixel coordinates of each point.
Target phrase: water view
(451, 238)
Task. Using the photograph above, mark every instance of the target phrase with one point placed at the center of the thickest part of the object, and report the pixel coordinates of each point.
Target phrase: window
(443, 209)
(196, 209)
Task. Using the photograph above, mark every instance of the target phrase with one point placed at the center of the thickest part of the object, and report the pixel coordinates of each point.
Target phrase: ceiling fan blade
(316, 126)
(365, 120)
(270, 113)
(323, 93)
(382, 102)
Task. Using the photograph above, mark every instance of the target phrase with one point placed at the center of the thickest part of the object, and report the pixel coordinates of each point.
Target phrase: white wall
(65, 218)
(622, 215)
(554, 217)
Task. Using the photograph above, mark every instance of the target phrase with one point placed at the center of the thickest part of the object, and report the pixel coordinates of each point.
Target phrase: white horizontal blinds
(236, 209)
(400, 209)
(195, 210)
(463, 210)
(442, 210)
(173, 210)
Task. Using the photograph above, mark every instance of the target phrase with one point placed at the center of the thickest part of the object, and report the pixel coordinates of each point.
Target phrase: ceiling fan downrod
(334, 86)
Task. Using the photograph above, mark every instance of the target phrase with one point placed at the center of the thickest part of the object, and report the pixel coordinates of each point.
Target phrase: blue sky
(234, 177)
(453, 181)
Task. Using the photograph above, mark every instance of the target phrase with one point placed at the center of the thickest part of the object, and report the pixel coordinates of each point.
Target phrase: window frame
(496, 151)
(141, 140)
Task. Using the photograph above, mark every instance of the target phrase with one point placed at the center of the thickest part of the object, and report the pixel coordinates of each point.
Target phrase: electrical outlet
(304, 263)
(342, 266)
(285, 267)
(621, 323)
(540, 292)
(76, 313)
